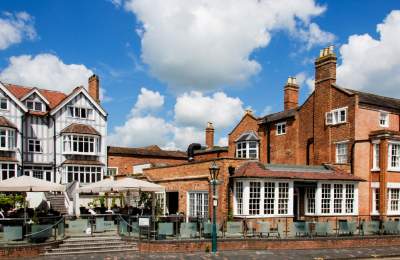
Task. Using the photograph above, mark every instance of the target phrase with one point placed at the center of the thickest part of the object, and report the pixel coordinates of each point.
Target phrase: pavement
(390, 252)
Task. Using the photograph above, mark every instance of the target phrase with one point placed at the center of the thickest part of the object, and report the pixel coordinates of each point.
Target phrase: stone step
(90, 252)
(93, 247)
(84, 239)
(93, 243)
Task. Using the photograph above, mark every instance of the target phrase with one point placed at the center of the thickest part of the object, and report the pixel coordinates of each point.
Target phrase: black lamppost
(214, 171)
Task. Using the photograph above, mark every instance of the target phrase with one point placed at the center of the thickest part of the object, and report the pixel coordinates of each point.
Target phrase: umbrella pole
(25, 224)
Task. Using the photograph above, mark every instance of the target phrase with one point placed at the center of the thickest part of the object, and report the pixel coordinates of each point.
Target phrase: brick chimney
(210, 135)
(291, 99)
(325, 66)
(94, 87)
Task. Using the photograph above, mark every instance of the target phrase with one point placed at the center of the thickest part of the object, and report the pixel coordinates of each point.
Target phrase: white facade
(39, 148)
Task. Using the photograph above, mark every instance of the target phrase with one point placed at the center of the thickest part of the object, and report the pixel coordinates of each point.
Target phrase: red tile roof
(80, 129)
(258, 170)
(4, 122)
(54, 97)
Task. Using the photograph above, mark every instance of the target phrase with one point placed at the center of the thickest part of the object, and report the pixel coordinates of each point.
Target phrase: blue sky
(167, 67)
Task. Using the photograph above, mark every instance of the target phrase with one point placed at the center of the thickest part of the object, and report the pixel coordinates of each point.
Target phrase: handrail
(41, 231)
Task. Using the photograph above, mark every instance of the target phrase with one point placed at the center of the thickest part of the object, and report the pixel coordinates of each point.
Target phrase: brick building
(337, 154)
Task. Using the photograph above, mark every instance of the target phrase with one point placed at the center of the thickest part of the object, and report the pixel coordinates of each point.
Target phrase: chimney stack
(291, 99)
(325, 66)
(94, 87)
(210, 135)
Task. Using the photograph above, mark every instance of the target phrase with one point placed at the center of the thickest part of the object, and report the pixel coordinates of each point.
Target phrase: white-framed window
(34, 105)
(394, 200)
(394, 156)
(384, 119)
(375, 156)
(336, 116)
(8, 170)
(257, 198)
(40, 172)
(281, 128)
(239, 197)
(338, 199)
(7, 139)
(247, 149)
(310, 200)
(3, 103)
(160, 203)
(138, 169)
(81, 144)
(198, 204)
(112, 171)
(254, 198)
(80, 112)
(34, 146)
(83, 174)
(375, 201)
(341, 152)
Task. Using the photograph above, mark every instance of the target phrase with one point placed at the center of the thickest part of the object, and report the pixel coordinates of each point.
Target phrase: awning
(125, 184)
(28, 183)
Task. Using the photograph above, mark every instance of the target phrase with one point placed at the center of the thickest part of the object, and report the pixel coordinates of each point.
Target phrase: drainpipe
(54, 150)
(268, 143)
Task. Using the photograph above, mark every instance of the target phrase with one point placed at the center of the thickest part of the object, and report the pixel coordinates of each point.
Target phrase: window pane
(310, 193)
(337, 198)
(326, 198)
(254, 198)
(349, 198)
(269, 198)
(283, 198)
(239, 197)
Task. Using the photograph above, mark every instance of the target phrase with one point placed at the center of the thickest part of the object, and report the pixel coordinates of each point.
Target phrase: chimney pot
(325, 66)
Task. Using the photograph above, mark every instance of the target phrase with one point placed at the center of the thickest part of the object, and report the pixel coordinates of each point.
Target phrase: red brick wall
(210, 155)
(125, 163)
(284, 148)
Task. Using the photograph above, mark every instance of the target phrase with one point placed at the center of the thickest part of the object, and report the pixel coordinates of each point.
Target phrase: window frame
(34, 103)
(6, 102)
(112, 168)
(68, 140)
(338, 156)
(281, 128)
(386, 119)
(72, 112)
(6, 171)
(240, 151)
(375, 156)
(35, 144)
(94, 171)
(9, 139)
(390, 155)
(334, 117)
(375, 201)
(205, 203)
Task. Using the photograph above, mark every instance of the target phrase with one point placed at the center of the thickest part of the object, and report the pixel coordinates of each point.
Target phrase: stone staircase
(93, 245)
(57, 202)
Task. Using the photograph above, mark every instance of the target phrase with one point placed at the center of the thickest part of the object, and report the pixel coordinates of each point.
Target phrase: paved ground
(360, 253)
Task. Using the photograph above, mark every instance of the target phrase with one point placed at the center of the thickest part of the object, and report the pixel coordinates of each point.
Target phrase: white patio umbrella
(29, 184)
(125, 184)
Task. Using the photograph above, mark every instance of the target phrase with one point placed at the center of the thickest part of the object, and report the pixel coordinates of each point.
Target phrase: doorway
(172, 202)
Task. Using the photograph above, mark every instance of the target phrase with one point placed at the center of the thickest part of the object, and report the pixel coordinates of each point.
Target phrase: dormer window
(247, 146)
(80, 112)
(384, 119)
(34, 105)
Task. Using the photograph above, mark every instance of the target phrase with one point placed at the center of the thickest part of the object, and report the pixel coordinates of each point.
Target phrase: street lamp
(214, 171)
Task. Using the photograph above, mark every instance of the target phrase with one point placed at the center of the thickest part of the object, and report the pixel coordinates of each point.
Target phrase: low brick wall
(264, 244)
(28, 250)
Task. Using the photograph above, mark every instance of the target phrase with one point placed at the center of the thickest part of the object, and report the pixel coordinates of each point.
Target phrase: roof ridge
(372, 94)
(35, 87)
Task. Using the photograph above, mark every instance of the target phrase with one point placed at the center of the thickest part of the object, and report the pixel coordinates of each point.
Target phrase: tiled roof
(257, 170)
(146, 151)
(54, 97)
(215, 149)
(83, 162)
(248, 136)
(5, 123)
(279, 116)
(80, 129)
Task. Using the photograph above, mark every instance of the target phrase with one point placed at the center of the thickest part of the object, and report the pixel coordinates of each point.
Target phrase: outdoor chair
(263, 229)
(391, 227)
(370, 228)
(207, 229)
(234, 229)
(300, 228)
(321, 229)
(251, 228)
(188, 230)
(165, 229)
(347, 227)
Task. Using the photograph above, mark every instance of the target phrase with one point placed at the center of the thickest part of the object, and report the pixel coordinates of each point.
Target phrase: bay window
(247, 149)
(263, 198)
(310, 200)
(393, 201)
(81, 144)
(375, 156)
(337, 199)
(198, 204)
(7, 139)
(375, 201)
(394, 156)
(83, 174)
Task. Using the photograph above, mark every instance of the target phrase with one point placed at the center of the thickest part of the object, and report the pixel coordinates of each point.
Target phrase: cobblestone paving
(364, 253)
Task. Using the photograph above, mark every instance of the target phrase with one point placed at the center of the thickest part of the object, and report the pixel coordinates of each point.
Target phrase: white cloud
(148, 100)
(314, 36)
(196, 109)
(373, 64)
(223, 141)
(104, 98)
(207, 44)
(14, 28)
(45, 71)
(304, 80)
(116, 3)
(267, 110)
(192, 111)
